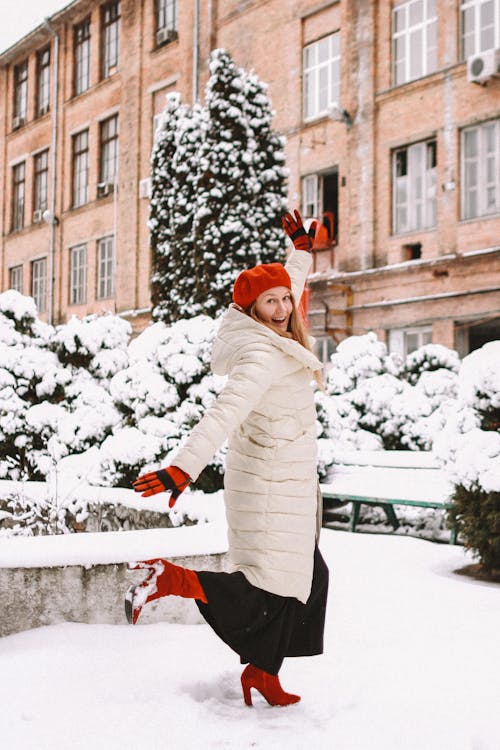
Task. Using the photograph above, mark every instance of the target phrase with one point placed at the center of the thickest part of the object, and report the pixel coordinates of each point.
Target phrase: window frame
(163, 16)
(43, 81)
(477, 45)
(39, 284)
(426, 27)
(397, 338)
(81, 56)
(312, 74)
(78, 274)
(483, 180)
(110, 38)
(13, 272)
(41, 180)
(18, 196)
(424, 198)
(106, 267)
(20, 108)
(80, 166)
(108, 150)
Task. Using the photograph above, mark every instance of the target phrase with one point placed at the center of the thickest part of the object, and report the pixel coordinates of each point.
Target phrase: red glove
(294, 228)
(170, 479)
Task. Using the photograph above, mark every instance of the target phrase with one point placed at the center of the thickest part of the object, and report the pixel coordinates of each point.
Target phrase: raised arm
(299, 261)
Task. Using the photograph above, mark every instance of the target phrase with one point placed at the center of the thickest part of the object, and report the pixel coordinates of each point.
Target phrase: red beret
(253, 282)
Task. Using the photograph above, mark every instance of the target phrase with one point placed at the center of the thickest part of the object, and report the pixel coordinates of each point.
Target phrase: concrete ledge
(33, 597)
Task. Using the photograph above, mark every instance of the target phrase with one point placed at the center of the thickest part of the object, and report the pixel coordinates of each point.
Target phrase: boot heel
(247, 695)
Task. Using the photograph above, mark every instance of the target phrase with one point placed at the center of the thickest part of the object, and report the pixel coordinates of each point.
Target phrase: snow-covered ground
(411, 663)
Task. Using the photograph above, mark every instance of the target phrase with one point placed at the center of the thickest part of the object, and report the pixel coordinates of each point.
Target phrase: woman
(274, 604)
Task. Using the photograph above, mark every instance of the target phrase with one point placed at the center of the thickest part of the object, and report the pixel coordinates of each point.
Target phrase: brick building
(392, 115)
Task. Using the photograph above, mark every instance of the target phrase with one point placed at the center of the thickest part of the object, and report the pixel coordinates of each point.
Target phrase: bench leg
(453, 535)
(356, 507)
(391, 516)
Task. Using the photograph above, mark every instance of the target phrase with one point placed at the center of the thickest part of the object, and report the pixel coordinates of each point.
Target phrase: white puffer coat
(267, 411)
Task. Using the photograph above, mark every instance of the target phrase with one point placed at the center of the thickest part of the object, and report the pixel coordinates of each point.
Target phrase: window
(481, 170)
(324, 347)
(320, 201)
(80, 168)
(110, 38)
(41, 173)
(480, 26)
(39, 283)
(414, 40)
(105, 267)
(166, 21)
(43, 82)
(109, 152)
(414, 187)
(321, 75)
(20, 94)
(82, 57)
(16, 278)
(404, 341)
(18, 195)
(78, 275)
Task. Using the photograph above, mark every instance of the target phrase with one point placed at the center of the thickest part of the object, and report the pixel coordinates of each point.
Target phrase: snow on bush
(469, 443)
(428, 358)
(358, 358)
(97, 343)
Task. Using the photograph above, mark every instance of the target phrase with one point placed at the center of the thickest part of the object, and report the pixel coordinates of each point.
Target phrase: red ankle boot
(164, 579)
(268, 685)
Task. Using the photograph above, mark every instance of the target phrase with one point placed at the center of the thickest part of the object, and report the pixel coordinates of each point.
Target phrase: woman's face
(275, 306)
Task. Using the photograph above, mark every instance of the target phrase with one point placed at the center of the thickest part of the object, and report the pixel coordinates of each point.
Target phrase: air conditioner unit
(483, 66)
(145, 186)
(37, 216)
(17, 122)
(165, 35)
(104, 188)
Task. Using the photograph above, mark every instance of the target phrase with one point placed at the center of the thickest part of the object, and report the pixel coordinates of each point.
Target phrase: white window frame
(166, 14)
(399, 339)
(110, 37)
(105, 267)
(80, 168)
(407, 51)
(82, 33)
(78, 275)
(415, 194)
(321, 75)
(472, 41)
(312, 196)
(480, 181)
(109, 150)
(39, 283)
(16, 278)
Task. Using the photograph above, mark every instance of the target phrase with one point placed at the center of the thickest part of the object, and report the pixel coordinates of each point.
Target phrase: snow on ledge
(112, 547)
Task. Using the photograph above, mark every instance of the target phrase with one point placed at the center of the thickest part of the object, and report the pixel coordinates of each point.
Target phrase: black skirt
(262, 627)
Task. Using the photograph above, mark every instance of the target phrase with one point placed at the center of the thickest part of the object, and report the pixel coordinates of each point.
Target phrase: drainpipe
(52, 220)
(196, 50)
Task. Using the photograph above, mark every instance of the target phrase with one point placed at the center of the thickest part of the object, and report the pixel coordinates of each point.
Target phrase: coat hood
(239, 331)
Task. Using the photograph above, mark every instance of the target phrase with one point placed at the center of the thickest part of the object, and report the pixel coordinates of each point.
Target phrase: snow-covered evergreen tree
(174, 170)
(219, 186)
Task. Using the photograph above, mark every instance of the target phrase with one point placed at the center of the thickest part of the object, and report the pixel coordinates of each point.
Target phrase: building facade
(391, 111)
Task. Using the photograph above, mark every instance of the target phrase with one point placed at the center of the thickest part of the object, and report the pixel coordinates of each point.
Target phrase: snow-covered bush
(97, 343)
(469, 446)
(429, 358)
(357, 359)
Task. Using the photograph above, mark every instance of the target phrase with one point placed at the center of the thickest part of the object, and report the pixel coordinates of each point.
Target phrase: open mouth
(280, 321)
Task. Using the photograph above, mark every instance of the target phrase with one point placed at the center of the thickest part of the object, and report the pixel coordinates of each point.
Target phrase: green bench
(386, 479)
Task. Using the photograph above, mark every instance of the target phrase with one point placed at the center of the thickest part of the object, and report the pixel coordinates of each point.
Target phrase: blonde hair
(296, 330)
